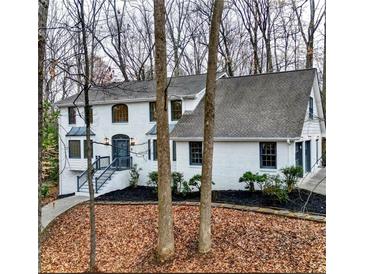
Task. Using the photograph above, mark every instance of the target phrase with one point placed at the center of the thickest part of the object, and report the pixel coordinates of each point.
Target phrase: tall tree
(205, 240)
(324, 72)
(42, 23)
(314, 22)
(86, 87)
(165, 245)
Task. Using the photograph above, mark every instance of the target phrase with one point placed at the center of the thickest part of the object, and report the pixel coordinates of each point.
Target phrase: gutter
(237, 139)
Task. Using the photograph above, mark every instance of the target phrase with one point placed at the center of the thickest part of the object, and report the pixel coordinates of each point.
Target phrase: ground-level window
(74, 149)
(196, 153)
(85, 149)
(154, 150)
(176, 110)
(152, 111)
(72, 115)
(173, 150)
(268, 155)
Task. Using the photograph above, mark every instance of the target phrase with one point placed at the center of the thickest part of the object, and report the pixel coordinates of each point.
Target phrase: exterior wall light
(106, 141)
(133, 141)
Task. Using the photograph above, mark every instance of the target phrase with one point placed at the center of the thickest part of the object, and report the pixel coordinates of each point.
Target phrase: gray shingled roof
(78, 131)
(184, 86)
(257, 106)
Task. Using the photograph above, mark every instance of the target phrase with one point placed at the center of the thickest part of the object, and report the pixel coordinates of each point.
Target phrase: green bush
(179, 185)
(291, 176)
(153, 179)
(195, 181)
(250, 179)
(134, 172)
(44, 190)
(276, 188)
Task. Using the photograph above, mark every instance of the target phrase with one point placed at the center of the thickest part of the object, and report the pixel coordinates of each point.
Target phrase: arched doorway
(121, 151)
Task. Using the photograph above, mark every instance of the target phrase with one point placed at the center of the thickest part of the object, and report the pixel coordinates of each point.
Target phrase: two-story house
(263, 123)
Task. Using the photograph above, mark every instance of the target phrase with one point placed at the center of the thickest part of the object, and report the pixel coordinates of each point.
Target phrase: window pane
(120, 113)
(176, 110)
(152, 111)
(149, 149)
(196, 153)
(173, 150)
(74, 149)
(72, 115)
(267, 155)
(85, 149)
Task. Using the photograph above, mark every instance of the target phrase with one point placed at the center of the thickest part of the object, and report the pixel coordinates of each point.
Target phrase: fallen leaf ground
(127, 235)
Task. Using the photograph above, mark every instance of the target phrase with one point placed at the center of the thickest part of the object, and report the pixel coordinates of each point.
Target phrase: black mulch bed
(297, 198)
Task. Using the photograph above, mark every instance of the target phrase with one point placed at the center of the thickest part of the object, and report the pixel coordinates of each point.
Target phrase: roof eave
(120, 101)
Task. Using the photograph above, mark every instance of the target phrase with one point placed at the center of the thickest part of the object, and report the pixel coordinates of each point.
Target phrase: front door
(120, 151)
(308, 156)
(299, 154)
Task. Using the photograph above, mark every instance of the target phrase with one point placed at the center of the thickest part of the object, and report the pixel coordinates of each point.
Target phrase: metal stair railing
(99, 163)
(119, 163)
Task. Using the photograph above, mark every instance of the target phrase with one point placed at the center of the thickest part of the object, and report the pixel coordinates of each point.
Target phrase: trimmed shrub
(195, 181)
(250, 179)
(153, 179)
(291, 176)
(179, 185)
(276, 188)
(134, 172)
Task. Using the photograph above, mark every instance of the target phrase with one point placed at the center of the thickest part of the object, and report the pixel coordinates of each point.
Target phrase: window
(152, 111)
(154, 150)
(173, 150)
(311, 108)
(72, 115)
(91, 114)
(268, 155)
(196, 153)
(74, 150)
(149, 149)
(176, 110)
(120, 113)
(85, 149)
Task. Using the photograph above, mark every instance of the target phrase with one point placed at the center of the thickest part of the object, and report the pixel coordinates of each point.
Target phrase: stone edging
(284, 213)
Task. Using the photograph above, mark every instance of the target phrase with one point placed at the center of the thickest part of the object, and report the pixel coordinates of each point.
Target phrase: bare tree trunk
(165, 245)
(86, 86)
(324, 74)
(205, 240)
(42, 23)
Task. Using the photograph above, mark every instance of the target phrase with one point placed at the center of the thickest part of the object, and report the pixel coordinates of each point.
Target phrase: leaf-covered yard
(127, 235)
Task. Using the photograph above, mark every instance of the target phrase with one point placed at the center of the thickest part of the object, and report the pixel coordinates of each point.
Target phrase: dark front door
(299, 154)
(308, 156)
(120, 151)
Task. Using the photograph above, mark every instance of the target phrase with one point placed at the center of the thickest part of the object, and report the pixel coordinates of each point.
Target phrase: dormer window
(176, 110)
(120, 113)
(72, 115)
(311, 108)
